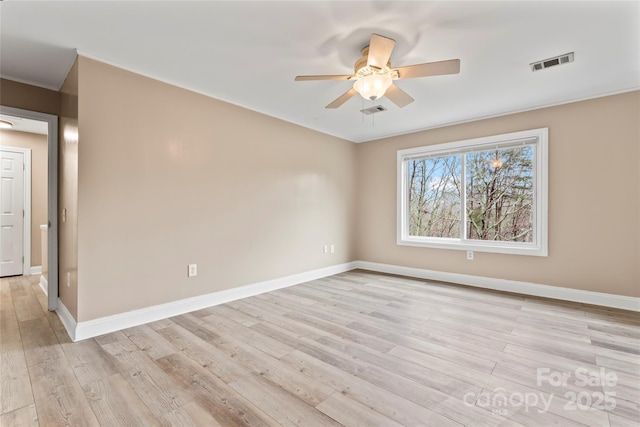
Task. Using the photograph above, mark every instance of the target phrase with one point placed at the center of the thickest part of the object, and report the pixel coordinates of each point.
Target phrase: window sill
(494, 247)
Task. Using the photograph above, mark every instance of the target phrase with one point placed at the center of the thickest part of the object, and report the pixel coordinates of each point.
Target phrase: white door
(11, 213)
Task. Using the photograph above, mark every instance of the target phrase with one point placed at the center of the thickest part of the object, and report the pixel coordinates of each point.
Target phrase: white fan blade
(342, 98)
(398, 96)
(379, 51)
(429, 69)
(325, 77)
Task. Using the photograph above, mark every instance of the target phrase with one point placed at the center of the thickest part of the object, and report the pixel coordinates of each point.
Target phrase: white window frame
(537, 138)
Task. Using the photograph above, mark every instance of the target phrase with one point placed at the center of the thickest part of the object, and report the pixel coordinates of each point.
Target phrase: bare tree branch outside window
(498, 189)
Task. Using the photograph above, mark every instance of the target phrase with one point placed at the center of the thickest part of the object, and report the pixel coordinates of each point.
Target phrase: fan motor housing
(361, 63)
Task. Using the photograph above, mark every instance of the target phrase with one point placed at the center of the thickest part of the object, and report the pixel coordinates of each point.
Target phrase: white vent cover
(552, 62)
(373, 110)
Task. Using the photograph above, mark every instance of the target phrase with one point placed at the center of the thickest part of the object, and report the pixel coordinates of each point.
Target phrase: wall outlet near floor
(193, 270)
(326, 249)
(333, 249)
(470, 255)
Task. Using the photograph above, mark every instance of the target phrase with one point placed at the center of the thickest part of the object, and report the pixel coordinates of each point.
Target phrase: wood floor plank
(351, 413)
(616, 421)
(25, 302)
(89, 361)
(235, 315)
(10, 333)
(462, 358)
(190, 415)
(156, 389)
(15, 387)
(111, 337)
(149, 341)
(344, 332)
(223, 326)
(502, 386)
(221, 401)
(619, 365)
(314, 310)
(397, 384)
(386, 403)
(528, 378)
(288, 329)
(115, 403)
(546, 360)
(284, 296)
(195, 326)
(161, 324)
(205, 354)
(542, 408)
(625, 409)
(126, 355)
(278, 403)
(39, 341)
(618, 345)
(429, 377)
(471, 415)
(284, 335)
(535, 333)
(23, 417)
(59, 398)
(270, 368)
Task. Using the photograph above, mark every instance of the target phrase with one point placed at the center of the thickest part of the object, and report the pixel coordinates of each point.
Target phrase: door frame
(26, 206)
(52, 196)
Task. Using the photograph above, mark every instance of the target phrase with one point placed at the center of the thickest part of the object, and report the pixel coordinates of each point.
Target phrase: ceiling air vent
(373, 110)
(552, 62)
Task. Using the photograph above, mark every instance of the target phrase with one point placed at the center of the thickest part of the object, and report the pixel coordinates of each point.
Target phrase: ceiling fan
(374, 76)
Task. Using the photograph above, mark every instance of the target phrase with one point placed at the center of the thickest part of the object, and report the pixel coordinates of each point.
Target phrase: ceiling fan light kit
(374, 76)
(373, 86)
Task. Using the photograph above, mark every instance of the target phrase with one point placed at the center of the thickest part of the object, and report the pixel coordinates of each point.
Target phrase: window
(486, 194)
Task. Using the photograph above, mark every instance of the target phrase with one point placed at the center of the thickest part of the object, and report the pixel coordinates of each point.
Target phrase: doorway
(32, 141)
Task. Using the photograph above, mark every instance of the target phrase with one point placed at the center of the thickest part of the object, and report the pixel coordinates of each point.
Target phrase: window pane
(434, 197)
(499, 188)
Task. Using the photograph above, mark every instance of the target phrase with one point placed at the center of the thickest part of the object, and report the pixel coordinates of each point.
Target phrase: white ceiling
(248, 53)
(26, 125)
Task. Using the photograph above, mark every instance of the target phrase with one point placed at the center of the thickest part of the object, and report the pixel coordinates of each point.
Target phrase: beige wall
(594, 199)
(27, 97)
(168, 177)
(163, 177)
(68, 192)
(39, 155)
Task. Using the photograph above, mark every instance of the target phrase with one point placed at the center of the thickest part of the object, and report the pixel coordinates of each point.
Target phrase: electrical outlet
(470, 255)
(333, 249)
(193, 270)
(326, 249)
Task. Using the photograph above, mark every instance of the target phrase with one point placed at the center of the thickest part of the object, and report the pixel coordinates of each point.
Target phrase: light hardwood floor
(355, 349)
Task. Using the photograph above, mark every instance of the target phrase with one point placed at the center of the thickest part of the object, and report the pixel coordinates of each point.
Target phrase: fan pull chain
(373, 116)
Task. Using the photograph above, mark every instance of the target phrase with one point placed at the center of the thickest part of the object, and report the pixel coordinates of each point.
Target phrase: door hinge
(23, 167)
(22, 213)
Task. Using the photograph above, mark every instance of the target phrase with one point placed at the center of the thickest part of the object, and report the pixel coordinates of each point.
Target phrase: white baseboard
(104, 325)
(44, 285)
(67, 320)
(36, 270)
(534, 289)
